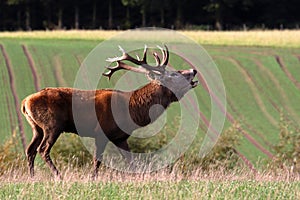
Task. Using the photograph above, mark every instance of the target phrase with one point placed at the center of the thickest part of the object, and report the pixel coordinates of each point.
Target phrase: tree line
(124, 14)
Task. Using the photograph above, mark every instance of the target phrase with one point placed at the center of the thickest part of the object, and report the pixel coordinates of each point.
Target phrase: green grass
(152, 190)
(182, 189)
(111, 184)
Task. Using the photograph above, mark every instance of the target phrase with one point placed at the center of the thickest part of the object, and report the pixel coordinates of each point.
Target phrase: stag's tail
(25, 109)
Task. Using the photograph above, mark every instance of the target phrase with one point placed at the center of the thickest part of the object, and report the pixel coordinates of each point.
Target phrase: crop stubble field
(260, 72)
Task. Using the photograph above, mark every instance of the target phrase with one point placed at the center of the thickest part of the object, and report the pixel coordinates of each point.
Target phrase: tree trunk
(48, 24)
(143, 12)
(178, 21)
(60, 17)
(127, 24)
(219, 20)
(76, 17)
(27, 17)
(94, 14)
(19, 19)
(110, 17)
(162, 16)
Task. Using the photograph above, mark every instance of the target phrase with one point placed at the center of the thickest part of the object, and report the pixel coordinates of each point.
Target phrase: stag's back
(48, 107)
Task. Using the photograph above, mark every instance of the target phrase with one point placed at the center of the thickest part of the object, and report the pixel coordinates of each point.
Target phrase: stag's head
(179, 82)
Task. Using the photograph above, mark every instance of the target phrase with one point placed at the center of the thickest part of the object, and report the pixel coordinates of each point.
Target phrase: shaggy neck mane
(144, 98)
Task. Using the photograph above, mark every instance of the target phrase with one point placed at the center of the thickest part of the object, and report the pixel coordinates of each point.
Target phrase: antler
(159, 68)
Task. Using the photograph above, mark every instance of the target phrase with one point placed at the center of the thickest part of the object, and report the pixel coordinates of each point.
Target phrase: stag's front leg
(124, 150)
(100, 144)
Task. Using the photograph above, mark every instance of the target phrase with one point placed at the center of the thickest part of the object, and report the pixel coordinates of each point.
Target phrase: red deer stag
(50, 111)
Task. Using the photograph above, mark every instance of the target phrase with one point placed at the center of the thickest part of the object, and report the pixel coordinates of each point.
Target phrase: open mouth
(194, 83)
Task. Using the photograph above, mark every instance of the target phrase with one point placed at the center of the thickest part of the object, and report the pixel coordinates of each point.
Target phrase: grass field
(152, 190)
(160, 185)
(260, 70)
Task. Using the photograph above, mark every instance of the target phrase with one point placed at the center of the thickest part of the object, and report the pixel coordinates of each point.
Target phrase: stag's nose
(195, 72)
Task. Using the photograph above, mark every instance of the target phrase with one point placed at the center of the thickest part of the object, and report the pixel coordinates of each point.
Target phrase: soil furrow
(286, 71)
(84, 72)
(240, 116)
(32, 68)
(212, 94)
(9, 108)
(58, 72)
(10, 115)
(246, 134)
(294, 81)
(225, 112)
(254, 89)
(278, 87)
(255, 143)
(204, 120)
(248, 126)
(15, 95)
(246, 161)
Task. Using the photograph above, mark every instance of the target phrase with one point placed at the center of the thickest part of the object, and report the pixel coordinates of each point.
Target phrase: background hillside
(262, 85)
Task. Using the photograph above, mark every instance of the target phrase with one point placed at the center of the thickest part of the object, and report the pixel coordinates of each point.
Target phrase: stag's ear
(152, 76)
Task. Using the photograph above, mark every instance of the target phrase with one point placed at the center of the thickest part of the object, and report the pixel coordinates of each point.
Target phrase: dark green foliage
(10, 155)
(222, 156)
(69, 151)
(287, 150)
(115, 14)
(141, 143)
(224, 152)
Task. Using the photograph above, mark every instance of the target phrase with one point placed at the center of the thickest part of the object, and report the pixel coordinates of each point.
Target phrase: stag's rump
(50, 107)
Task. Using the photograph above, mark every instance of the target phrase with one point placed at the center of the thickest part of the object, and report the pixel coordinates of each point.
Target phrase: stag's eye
(174, 75)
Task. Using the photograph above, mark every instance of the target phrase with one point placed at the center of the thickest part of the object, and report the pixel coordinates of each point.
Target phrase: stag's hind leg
(31, 150)
(50, 137)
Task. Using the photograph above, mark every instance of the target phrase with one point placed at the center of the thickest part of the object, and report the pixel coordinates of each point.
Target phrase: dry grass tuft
(274, 38)
(111, 184)
(18, 174)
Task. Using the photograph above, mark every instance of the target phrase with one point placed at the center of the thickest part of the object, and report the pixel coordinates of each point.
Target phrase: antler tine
(160, 66)
(120, 65)
(165, 54)
(157, 59)
(117, 58)
(145, 54)
(122, 50)
(111, 71)
(145, 67)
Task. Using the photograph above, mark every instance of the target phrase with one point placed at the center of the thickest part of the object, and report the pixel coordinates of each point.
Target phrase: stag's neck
(152, 97)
